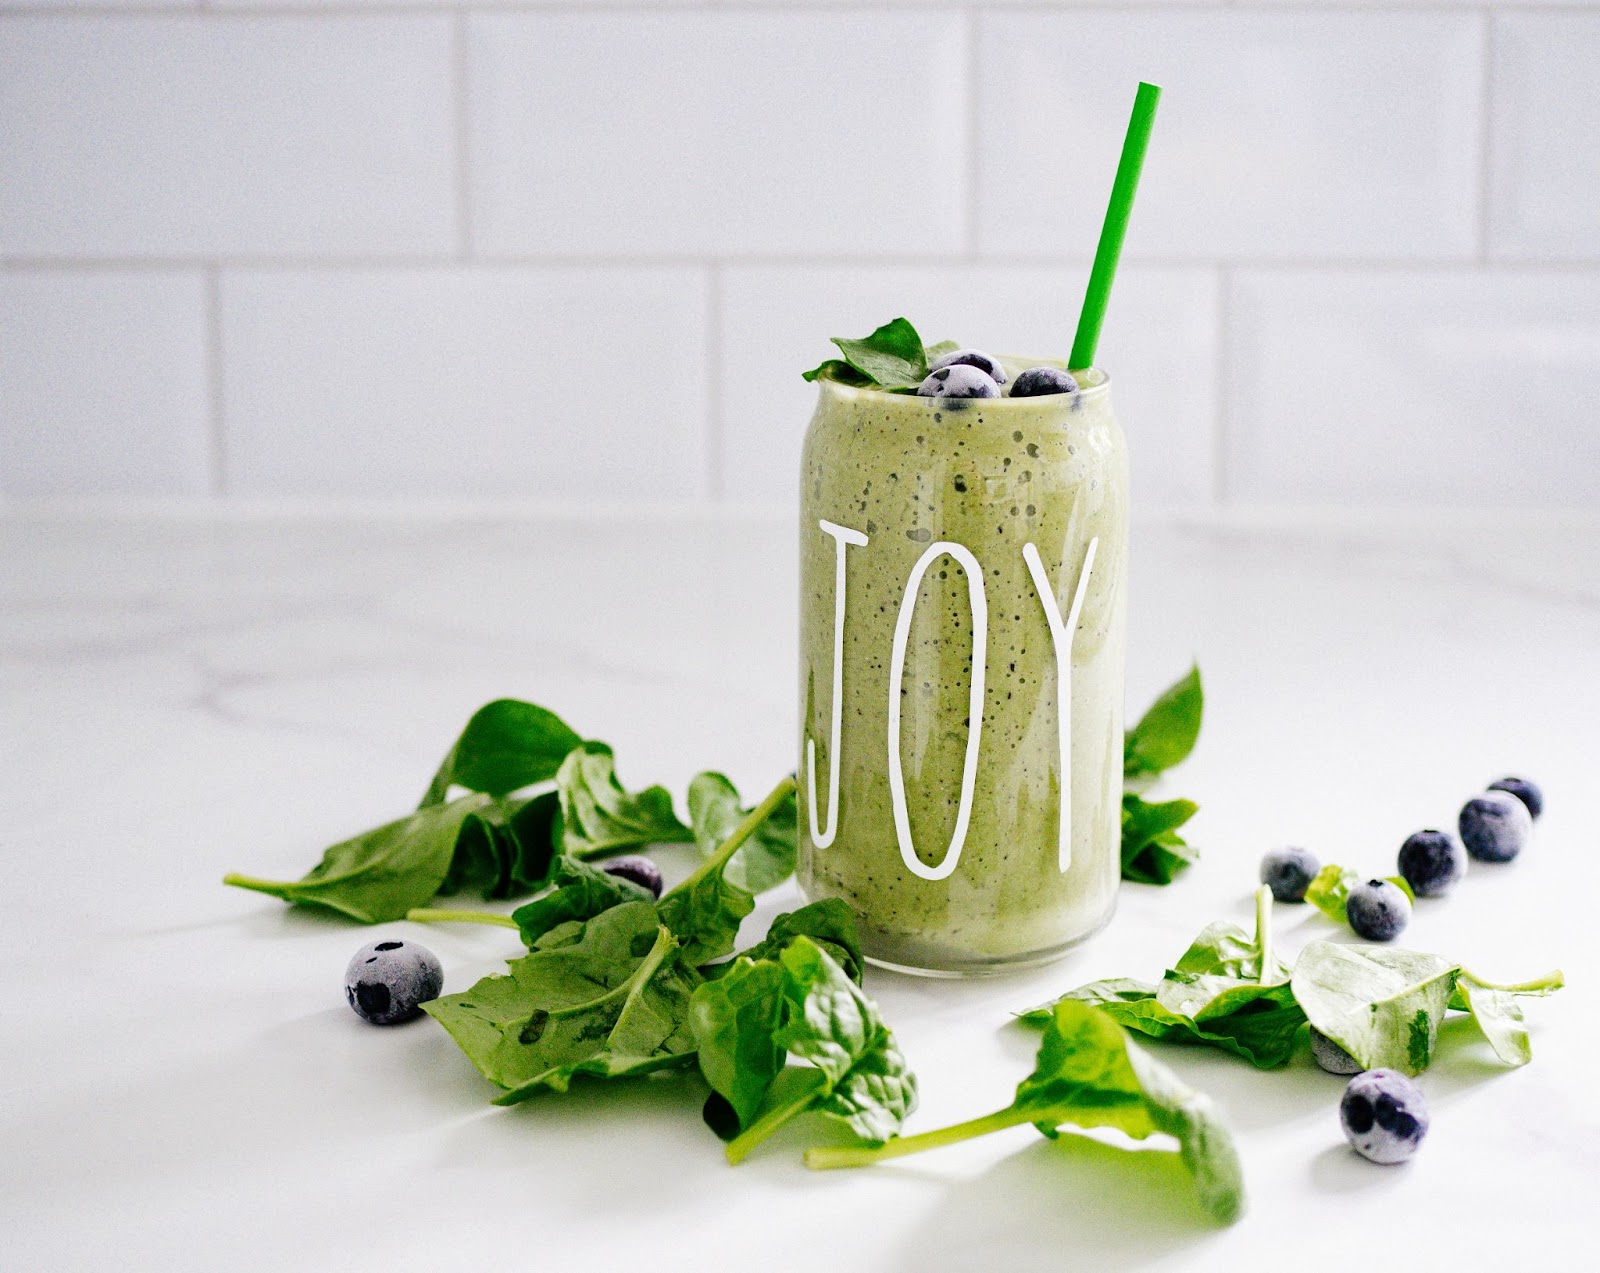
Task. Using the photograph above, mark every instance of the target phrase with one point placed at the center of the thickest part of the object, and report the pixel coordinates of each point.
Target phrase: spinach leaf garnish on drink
(1152, 850)
(893, 358)
(1089, 1074)
(800, 1004)
(1227, 990)
(1383, 1006)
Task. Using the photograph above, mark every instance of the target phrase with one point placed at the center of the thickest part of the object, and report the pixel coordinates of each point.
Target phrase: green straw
(1115, 228)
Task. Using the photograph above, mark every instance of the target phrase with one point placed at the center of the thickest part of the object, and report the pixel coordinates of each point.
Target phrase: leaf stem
(251, 881)
(741, 833)
(741, 1145)
(1539, 985)
(824, 1158)
(438, 915)
(1264, 930)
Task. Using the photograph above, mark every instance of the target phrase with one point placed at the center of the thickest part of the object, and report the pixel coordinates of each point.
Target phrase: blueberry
(972, 358)
(1432, 862)
(636, 870)
(388, 981)
(1495, 826)
(1037, 382)
(1288, 871)
(1523, 790)
(1378, 910)
(1384, 1116)
(1330, 1056)
(958, 381)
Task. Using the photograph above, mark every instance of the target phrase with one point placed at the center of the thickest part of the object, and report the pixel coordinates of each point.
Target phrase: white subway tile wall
(511, 383)
(526, 250)
(103, 383)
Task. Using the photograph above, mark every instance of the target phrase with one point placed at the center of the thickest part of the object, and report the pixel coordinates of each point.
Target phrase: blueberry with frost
(1524, 790)
(636, 870)
(388, 981)
(1384, 1116)
(1330, 1056)
(1495, 826)
(1039, 382)
(1432, 862)
(1288, 871)
(972, 358)
(958, 381)
(1378, 910)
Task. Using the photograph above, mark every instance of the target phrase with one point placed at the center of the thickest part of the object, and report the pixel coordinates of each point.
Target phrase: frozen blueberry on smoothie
(958, 381)
(1040, 382)
(971, 358)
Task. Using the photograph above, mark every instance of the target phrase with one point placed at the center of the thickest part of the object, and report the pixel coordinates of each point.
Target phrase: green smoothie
(934, 752)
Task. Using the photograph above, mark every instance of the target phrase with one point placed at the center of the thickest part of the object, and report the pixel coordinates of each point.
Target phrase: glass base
(929, 959)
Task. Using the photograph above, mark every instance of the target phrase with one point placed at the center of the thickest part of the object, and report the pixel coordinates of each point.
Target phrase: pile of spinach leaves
(535, 799)
(1227, 990)
(1381, 1004)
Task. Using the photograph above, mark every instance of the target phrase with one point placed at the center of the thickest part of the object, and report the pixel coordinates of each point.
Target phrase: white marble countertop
(184, 1088)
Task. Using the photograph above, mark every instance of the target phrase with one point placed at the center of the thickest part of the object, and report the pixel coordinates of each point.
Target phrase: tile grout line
(715, 477)
(216, 384)
(781, 260)
(1026, 8)
(1220, 426)
(1485, 135)
(461, 83)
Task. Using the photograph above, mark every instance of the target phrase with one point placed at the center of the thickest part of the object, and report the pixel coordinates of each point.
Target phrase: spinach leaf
(506, 745)
(1330, 887)
(829, 922)
(1088, 1075)
(735, 1021)
(838, 369)
(581, 892)
(1166, 734)
(1380, 1004)
(704, 911)
(893, 357)
(506, 848)
(381, 874)
(1152, 850)
(612, 1002)
(1498, 1014)
(1228, 990)
(860, 1076)
(767, 857)
(599, 816)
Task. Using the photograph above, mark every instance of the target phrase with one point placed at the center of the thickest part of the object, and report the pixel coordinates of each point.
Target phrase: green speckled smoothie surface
(990, 475)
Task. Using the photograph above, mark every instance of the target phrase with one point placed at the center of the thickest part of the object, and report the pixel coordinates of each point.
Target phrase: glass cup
(963, 614)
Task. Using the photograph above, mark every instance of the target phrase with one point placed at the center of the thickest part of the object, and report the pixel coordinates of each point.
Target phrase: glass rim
(826, 384)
